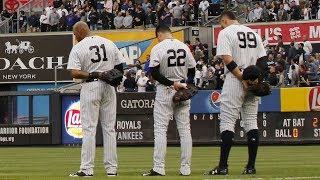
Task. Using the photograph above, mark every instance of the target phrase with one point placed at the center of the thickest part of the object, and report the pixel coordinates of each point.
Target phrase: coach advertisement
(289, 30)
(25, 135)
(33, 58)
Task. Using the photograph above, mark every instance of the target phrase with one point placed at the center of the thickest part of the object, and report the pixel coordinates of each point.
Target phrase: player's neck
(233, 22)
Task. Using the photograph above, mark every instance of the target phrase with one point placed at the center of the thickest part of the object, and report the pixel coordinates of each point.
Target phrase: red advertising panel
(288, 30)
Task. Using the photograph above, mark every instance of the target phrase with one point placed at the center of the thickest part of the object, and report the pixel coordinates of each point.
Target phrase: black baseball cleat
(112, 174)
(80, 174)
(217, 171)
(152, 173)
(249, 171)
(184, 174)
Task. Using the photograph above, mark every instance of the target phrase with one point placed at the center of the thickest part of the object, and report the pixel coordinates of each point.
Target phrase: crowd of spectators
(286, 10)
(109, 14)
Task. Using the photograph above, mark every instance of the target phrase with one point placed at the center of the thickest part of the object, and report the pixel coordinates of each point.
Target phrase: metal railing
(6, 25)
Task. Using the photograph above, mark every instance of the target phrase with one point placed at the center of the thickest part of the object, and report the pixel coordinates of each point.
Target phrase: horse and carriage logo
(23, 46)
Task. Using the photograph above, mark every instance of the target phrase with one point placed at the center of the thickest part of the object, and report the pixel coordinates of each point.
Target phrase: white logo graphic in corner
(21, 47)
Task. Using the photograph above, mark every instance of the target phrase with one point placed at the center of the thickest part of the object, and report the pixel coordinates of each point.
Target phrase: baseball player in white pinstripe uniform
(87, 59)
(239, 47)
(171, 63)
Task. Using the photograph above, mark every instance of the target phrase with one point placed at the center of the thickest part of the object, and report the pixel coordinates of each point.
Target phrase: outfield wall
(288, 115)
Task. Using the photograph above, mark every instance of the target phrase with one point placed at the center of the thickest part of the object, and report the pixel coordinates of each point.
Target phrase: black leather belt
(91, 80)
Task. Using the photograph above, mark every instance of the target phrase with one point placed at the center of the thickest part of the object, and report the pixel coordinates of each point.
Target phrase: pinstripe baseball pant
(164, 108)
(98, 101)
(235, 99)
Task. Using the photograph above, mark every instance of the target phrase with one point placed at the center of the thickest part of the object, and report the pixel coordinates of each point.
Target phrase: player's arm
(232, 66)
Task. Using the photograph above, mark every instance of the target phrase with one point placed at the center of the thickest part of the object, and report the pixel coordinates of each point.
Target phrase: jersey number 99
(247, 40)
(176, 58)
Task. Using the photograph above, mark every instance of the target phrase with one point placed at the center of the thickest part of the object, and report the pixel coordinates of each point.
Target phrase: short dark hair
(162, 29)
(229, 14)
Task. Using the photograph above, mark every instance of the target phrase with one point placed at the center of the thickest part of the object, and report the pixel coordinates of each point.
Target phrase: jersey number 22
(176, 57)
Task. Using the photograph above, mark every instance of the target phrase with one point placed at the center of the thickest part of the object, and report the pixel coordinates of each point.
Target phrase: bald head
(81, 30)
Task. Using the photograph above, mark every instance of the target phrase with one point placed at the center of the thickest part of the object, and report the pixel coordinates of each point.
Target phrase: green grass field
(274, 162)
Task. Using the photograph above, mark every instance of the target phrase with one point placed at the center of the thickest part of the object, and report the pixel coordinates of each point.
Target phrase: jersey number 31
(98, 57)
(176, 58)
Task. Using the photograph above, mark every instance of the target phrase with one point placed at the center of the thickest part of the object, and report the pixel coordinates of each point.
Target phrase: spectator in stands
(249, 14)
(139, 18)
(138, 71)
(116, 7)
(306, 11)
(296, 44)
(279, 61)
(146, 65)
(295, 11)
(106, 19)
(282, 14)
(300, 53)
(294, 82)
(142, 82)
(62, 9)
(303, 77)
(219, 73)
(93, 17)
(257, 12)
(314, 8)
(129, 83)
(292, 52)
(307, 47)
(71, 20)
(292, 72)
(281, 82)
(166, 17)
(171, 3)
(272, 78)
(127, 21)
(279, 44)
(188, 43)
(63, 22)
(145, 5)
(198, 78)
(312, 71)
(33, 21)
(23, 22)
(108, 4)
(210, 81)
(159, 11)
(54, 20)
(177, 11)
(150, 18)
(204, 10)
(118, 21)
(270, 60)
(44, 22)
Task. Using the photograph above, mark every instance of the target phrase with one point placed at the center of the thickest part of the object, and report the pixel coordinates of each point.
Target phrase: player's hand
(177, 86)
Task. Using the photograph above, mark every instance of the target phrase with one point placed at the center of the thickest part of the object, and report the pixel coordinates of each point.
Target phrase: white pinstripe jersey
(174, 58)
(94, 54)
(242, 43)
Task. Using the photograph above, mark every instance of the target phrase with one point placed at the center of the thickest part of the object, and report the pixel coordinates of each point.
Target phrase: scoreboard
(274, 127)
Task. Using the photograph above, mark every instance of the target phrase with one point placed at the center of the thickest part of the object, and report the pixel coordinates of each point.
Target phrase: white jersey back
(94, 54)
(174, 58)
(242, 43)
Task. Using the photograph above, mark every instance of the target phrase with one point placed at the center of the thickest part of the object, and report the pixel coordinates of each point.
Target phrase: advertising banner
(34, 5)
(288, 30)
(208, 101)
(127, 41)
(25, 135)
(33, 58)
(135, 103)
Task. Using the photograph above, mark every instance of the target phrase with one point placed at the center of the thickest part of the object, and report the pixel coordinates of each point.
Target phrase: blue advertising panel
(208, 102)
(71, 123)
